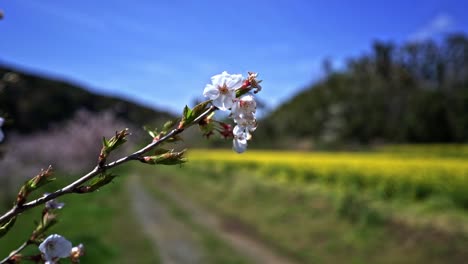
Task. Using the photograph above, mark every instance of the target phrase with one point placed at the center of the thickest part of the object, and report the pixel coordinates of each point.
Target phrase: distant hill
(34, 101)
(411, 93)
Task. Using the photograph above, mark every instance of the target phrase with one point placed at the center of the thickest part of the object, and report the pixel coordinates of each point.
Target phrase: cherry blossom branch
(73, 187)
(226, 93)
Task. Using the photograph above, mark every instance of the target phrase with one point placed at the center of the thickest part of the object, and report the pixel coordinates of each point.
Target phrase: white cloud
(440, 24)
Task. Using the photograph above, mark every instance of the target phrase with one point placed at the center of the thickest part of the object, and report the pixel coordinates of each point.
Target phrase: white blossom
(222, 89)
(243, 131)
(244, 107)
(239, 143)
(222, 92)
(243, 113)
(246, 121)
(55, 247)
(53, 204)
(241, 135)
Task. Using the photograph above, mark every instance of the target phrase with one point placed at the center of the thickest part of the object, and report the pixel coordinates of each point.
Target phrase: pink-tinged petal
(247, 103)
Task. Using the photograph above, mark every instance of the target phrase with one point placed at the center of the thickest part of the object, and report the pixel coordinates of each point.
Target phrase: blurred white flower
(239, 144)
(55, 247)
(241, 135)
(2, 120)
(248, 122)
(243, 112)
(53, 204)
(222, 89)
(243, 131)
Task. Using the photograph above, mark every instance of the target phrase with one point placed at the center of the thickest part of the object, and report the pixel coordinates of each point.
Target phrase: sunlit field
(387, 174)
(400, 204)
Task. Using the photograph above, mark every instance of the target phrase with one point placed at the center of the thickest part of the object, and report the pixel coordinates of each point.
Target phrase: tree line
(410, 93)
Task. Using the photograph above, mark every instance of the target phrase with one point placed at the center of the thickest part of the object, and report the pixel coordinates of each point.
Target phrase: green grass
(315, 223)
(326, 219)
(102, 221)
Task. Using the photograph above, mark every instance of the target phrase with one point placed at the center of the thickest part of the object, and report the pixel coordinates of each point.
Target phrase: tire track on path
(173, 241)
(243, 243)
(250, 247)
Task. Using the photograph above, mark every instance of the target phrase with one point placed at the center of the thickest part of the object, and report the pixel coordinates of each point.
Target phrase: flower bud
(226, 130)
(76, 253)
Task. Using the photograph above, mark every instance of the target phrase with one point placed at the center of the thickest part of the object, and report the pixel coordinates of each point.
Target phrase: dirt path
(170, 238)
(160, 226)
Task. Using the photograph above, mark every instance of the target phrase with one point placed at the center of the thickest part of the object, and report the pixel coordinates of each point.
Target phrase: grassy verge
(101, 221)
(315, 223)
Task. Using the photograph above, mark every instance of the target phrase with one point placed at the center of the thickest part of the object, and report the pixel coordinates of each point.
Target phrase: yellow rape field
(388, 174)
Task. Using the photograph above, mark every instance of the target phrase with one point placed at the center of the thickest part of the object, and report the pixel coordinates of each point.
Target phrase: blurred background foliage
(410, 93)
(33, 102)
(413, 93)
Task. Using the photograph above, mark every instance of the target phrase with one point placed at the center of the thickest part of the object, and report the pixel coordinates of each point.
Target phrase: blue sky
(162, 53)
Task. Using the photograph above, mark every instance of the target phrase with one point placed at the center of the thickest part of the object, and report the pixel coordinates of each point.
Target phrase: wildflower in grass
(222, 89)
(1, 132)
(55, 247)
(76, 253)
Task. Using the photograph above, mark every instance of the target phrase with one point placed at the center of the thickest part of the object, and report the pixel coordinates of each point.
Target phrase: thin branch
(72, 187)
(16, 251)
